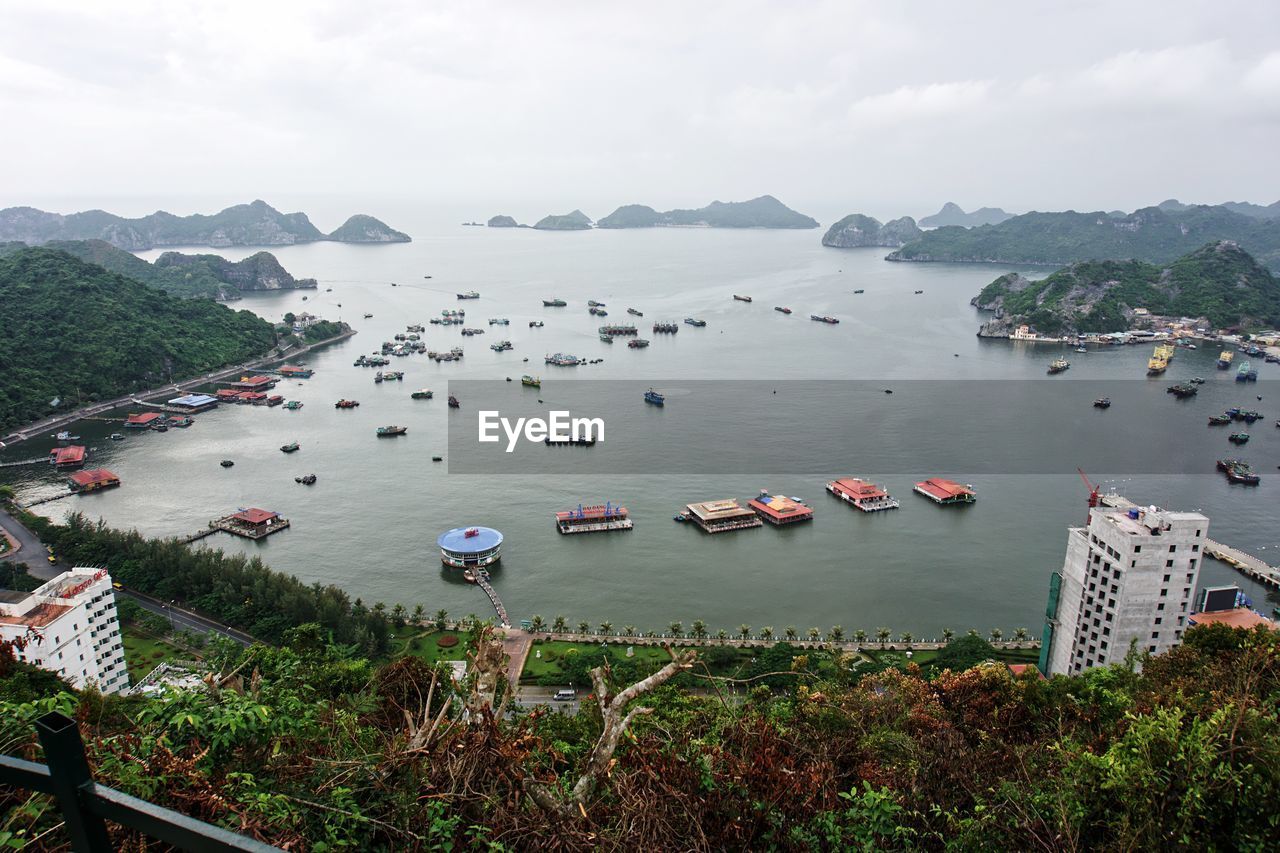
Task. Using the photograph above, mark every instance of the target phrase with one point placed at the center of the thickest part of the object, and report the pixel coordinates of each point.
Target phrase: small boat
(393, 284)
(918, 292)
(502, 346)
(563, 360)
(1058, 365)
(377, 377)
(499, 321)
(576, 442)
(468, 576)
(437, 458)
(66, 436)
(470, 294)
(328, 290)
(600, 312)
(304, 299)
(306, 479)
(1238, 438)
(226, 463)
(368, 316)
(608, 339)
(691, 321)
(290, 447)
(859, 290)
(781, 309)
(1082, 349)
(554, 303)
(822, 318)
(421, 394)
(637, 343)
(115, 436)
(453, 402)
(388, 431)
(591, 303)
(1102, 403)
(293, 405)
(1182, 390)
(665, 328)
(1197, 380)
(535, 324)
(681, 517)
(652, 396)
(531, 381)
(634, 313)
(742, 298)
(346, 404)
(1219, 420)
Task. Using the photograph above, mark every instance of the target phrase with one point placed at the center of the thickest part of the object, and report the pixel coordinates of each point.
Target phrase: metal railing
(86, 805)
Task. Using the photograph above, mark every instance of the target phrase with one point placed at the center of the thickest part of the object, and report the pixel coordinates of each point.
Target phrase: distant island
(857, 230)
(1219, 282)
(763, 212)
(501, 221)
(76, 333)
(255, 224)
(575, 221)
(953, 214)
(1151, 234)
(210, 276)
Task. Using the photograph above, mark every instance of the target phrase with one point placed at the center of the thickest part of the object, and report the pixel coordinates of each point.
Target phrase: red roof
(860, 489)
(251, 395)
(255, 516)
(72, 455)
(943, 489)
(1020, 669)
(776, 506)
(95, 476)
(227, 393)
(591, 513)
(255, 380)
(144, 418)
(1240, 617)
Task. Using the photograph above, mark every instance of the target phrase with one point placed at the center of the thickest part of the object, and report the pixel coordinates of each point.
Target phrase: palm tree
(397, 615)
(537, 623)
(418, 613)
(996, 634)
(744, 631)
(972, 632)
(629, 630)
(883, 635)
(766, 633)
(814, 634)
(472, 620)
(584, 627)
(722, 634)
(790, 631)
(1020, 634)
(606, 627)
(947, 634)
(559, 624)
(698, 629)
(836, 634)
(860, 636)
(380, 608)
(442, 616)
(906, 637)
(676, 629)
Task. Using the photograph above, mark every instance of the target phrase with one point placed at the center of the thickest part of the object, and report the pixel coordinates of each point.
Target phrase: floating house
(71, 456)
(293, 371)
(253, 383)
(593, 519)
(470, 547)
(193, 403)
(722, 516)
(865, 496)
(945, 492)
(252, 523)
(780, 510)
(92, 480)
(226, 395)
(145, 420)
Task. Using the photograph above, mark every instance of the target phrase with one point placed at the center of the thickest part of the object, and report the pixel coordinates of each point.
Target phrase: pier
(482, 581)
(50, 499)
(21, 462)
(1248, 565)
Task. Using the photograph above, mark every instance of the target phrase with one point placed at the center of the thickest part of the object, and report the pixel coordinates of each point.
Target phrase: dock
(250, 524)
(1248, 565)
(482, 581)
(21, 462)
(50, 499)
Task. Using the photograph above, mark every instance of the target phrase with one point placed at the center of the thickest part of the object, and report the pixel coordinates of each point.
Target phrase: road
(32, 552)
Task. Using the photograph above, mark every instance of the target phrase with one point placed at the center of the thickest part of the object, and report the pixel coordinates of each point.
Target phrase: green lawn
(553, 651)
(425, 644)
(143, 651)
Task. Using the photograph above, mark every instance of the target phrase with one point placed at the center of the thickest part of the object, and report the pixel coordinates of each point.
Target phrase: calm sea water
(370, 523)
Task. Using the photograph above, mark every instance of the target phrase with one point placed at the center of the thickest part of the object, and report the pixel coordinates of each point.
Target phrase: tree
(947, 634)
(813, 634)
(397, 615)
(1020, 634)
(766, 633)
(537, 623)
(584, 627)
(744, 631)
(676, 629)
(558, 625)
(883, 635)
(996, 634)
(606, 628)
(722, 634)
(699, 629)
(860, 636)
(972, 632)
(959, 655)
(836, 634)
(419, 613)
(629, 630)
(906, 637)
(790, 632)
(442, 617)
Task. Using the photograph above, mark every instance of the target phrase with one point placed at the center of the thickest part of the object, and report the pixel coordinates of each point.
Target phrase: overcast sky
(881, 107)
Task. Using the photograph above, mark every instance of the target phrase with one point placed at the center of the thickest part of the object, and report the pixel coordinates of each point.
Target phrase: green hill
(77, 332)
(857, 230)
(1219, 281)
(1151, 234)
(573, 221)
(366, 229)
(763, 212)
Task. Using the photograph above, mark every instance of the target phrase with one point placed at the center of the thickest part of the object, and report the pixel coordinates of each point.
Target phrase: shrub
(447, 641)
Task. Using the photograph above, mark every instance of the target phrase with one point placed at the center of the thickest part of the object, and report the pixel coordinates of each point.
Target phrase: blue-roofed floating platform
(470, 547)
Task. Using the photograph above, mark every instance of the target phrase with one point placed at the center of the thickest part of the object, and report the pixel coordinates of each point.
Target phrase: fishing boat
(1197, 380)
(470, 294)
(389, 431)
(66, 436)
(1182, 390)
(742, 298)
(859, 290)
(1250, 417)
(290, 447)
(821, 318)
(637, 343)
(116, 436)
(469, 332)
(393, 375)
(226, 463)
(453, 402)
(368, 316)
(1238, 471)
(499, 321)
(1082, 349)
(561, 359)
(591, 303)
(437, 458)
(346, 404)
(616, 329)
(417, 327)
(634, 313)
(608, 339)
(1102, 403)
(918, 292)
(377, 377)
(652, 396)
(554, 303)
(600, 312)
(1242, 372)
(306, 479)
(691, 321)
(535, 324)
(1058, 365)
(780, 309)
(422, 394)
(665, 328)
(1219, 420)
(293, 405)
(1238, 438)
(531, 381)
(502, 346)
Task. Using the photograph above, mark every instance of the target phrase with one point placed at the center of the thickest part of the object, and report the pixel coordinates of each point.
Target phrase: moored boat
(554, 303)
(1219, 420)
(1238, 438)
(387, 431)
(637, 343)
(652, 396)
(665, 328)
(781, 309)
(561, 359)
(1058, 365)
(422, 394)
(1182, 390)
(290, 447)
(1238, 471)
(531, 381)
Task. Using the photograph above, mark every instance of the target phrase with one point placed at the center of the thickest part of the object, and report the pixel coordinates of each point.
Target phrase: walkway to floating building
(482, 580)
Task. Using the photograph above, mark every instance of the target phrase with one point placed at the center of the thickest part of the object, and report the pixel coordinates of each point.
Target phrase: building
(71, 456)
(70, 627)
(253, 383)
(1226, 605)
(193, 403)
(866, 496)
(780, 510)
(1127, 579)
(470, 547)
(945, 492)
(92, 480)
(721, 516)
(145, 420)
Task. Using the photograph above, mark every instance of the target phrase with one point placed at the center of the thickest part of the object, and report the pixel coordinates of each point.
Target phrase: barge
(720, 516)
(390, 431)
(945, 492)
(638, 343)
(594, 519)
(422, 394)
(779, 510)
(862, 494)
(554, 303)
(470, 294)
(742, 298)
(696, 323)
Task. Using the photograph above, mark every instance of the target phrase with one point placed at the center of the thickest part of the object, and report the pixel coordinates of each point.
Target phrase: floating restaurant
(945, 492)
(296, 372)
(721, 516)
(145, 420)
(867, 497)
(92, 480)
(253, 383)
(470, 547)
(252, 523)
(780, 510)
(67, 457)
(594, 519)
(194, 403)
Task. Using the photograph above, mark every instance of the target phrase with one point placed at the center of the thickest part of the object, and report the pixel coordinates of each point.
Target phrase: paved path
(516, 645)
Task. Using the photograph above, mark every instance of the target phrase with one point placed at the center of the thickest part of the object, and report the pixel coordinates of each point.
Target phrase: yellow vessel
(1224, 359)
(1159, 361)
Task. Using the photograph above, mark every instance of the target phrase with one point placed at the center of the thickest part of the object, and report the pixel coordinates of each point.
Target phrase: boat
(652, 396)
(226, 463)
(665, 328)
(591, 303)
(1250, 417)
(499, 321)
(691, 321)
(393, 376)
(637, 343)
(1224, 359)
(470, 294)
(1242, 372)
(290, 447)
(742, 298)
(388, 431)
(634, 313)
(574, 442)
(501, 346)
(1058, 365)
(306, 479)
(821, 318)
(1219, 420)
(1102, 403)
(594, 519)
(453, 402)
(862, 494)
(1082, 349)
(377, 377)
(536, 324)
(293, 405)
(469, 332)
(1159, 360)
(608, 339)
(918, 292)
(468, 576)
(1197, 380)
(680, 516)
(421, 394)
(1238, 471)
(561, 359)
(368, 316)
(1238, 438)
(437, 458)
(346, 404)
(780, 309)
(859, 290)
(304, 299)
(554, 303)
(599, 312)
(417, 327)
(1182, 390)
(531, 381)
(616, 329)
(116, 436)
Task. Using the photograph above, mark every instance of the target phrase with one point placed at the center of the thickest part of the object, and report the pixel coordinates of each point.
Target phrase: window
(1106, 632)
(1195, 549)
(1160, 606)
(1159, 619)
(1197, 534)
(1168, 564)
(1163, 593)
(1137, 549)
(1155, 635)
(1151, 649)
(1166, 578)
(1173, 548)
(1103, 644)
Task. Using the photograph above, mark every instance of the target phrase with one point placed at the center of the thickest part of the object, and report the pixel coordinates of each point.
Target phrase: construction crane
(1095, 493)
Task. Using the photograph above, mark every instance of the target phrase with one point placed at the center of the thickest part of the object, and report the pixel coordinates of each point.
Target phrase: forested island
(1219, 282)
(1157, 235)
(255, 224)
(76, 332)
(573, 221)
(953, 214)
(857, 230)
(763, 212)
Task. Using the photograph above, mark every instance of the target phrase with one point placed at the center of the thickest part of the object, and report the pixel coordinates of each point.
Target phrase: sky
(532, 108)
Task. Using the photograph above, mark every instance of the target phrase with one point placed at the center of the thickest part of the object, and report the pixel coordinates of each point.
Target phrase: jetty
(249, 523)
(49, 499)
(482, 581)
(1248, 565)
(20, 462)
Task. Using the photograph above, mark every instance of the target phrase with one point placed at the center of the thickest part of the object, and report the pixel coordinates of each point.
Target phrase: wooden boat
(289, 448)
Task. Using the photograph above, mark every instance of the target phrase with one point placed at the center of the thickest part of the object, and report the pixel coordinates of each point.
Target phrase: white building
(70, 627)
(1128, 577)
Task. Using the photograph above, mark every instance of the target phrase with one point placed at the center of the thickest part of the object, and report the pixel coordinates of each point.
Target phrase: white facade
(1125, 580)
(71, 628)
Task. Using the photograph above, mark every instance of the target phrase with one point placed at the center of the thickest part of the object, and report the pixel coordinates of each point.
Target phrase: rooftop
(1240, 617)
(253, 515)
(858, 488)
(457, 540)
(193, 400)
(718, 510)
(92, 477)
(779, 506)
(143, 418)
(941, 488)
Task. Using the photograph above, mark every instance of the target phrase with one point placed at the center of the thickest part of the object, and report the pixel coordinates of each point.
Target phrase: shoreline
(36, 428)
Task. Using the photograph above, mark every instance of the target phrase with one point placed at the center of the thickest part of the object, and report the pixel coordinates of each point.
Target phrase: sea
(370, 523)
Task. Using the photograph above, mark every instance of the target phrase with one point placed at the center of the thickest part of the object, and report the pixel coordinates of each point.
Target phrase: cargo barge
(862, 495)
(594, 519)
(779, 510)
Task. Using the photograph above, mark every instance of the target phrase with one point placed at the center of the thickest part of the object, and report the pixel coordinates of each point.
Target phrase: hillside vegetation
(77, 333)
(1220, 282)
(763, 212)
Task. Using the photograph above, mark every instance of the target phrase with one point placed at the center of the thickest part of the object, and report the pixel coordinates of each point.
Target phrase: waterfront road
(32, 552)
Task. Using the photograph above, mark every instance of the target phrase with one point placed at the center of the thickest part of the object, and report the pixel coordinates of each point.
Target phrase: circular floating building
(470, 547)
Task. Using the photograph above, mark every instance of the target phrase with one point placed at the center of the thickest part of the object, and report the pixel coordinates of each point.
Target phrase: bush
(448, 641)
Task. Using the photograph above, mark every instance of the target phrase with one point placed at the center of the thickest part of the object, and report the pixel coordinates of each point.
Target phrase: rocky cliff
(857, 230)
